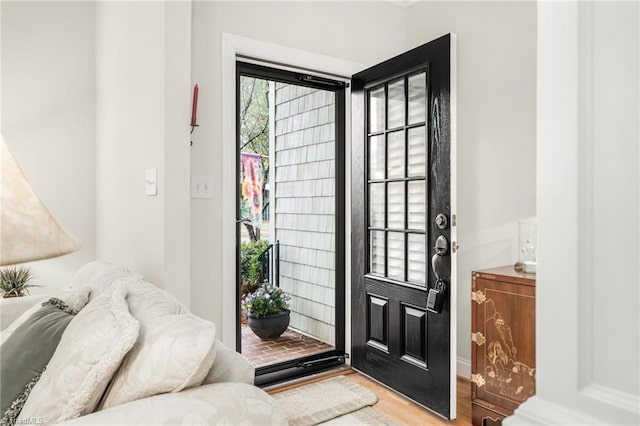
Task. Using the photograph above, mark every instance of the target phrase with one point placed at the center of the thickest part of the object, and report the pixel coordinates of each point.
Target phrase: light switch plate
(201, 186)
(151, 181)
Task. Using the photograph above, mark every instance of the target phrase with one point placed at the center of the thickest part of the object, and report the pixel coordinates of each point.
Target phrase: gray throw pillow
(25, 354)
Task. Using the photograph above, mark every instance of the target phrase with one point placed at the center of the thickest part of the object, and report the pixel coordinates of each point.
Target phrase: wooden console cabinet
(503, 344)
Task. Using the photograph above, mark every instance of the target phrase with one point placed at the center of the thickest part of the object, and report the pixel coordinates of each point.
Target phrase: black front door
(402, 222)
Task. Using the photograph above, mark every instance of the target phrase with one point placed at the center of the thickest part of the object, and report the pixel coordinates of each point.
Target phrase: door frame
(307, 364)
(453, 182)
(232, 47)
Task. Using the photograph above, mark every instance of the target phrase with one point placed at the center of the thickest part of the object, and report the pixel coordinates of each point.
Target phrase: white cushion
(90, 350)
(173, 352)
(175, 349)
(230, 366)
(215, 404)
(147, 302)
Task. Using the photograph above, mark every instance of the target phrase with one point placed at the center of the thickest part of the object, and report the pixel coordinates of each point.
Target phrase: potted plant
(15, 281)
(268, 311)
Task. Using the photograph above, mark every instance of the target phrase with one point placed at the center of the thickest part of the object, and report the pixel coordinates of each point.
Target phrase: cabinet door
(503, 341)
(483, 417)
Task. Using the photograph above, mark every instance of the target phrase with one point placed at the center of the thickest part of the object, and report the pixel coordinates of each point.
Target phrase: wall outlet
(201, 186)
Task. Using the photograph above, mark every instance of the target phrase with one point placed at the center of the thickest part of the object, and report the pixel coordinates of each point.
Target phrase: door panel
(378, 321)
(415, 342)
(401, 180)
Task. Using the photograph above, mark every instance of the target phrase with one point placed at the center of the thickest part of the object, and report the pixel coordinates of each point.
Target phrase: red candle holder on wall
(194, 110)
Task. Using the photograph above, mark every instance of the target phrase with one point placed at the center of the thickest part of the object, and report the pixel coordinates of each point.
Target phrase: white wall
(359, 32)
(496, 114)
(496, 43)
(588, 346)
(143, 110)
(48, 117)
(143, 105)
(108, 81)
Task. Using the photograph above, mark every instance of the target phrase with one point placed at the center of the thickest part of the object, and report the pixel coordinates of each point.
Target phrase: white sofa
(226, 396)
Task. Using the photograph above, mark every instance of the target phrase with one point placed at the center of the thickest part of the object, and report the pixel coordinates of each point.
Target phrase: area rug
(334, 401)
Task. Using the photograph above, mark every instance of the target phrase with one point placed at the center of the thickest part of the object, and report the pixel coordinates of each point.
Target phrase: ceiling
(402, 3)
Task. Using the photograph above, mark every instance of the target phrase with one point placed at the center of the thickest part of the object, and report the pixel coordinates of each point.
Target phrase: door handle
(434, 268)
(441, 246)
(436, 295)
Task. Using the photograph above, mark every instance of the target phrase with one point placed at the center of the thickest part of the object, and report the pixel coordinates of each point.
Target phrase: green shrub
(250, 266)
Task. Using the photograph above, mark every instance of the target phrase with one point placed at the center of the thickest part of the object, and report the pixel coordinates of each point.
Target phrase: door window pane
(417, 203)
(396, 255)
(396, 205)
(397, 169)
(376, 110)
(396, 104)
(417, 98)
(417, 151)
(376, 252)
(395, 155)
(417, 258)
(376, 157)
(376, 205)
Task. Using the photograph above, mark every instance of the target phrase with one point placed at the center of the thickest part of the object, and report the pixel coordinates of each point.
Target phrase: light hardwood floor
(398, 407)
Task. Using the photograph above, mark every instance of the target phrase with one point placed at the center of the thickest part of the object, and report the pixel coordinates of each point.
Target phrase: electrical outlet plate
(201, 186)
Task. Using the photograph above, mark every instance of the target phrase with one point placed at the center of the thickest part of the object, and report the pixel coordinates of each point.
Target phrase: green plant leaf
(15, 280)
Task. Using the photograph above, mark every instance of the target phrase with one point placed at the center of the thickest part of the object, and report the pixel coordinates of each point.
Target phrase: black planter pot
(269, 327)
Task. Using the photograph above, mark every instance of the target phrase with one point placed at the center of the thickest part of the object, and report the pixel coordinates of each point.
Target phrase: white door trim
(233, 45)
(580, 112)
(453, 287)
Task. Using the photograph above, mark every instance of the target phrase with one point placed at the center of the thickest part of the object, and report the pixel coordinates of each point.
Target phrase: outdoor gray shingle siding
(305, 205)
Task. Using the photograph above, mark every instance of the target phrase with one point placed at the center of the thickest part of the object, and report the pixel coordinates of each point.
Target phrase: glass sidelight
(397, 156)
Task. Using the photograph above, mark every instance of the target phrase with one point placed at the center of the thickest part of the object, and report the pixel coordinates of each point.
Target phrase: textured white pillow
(75, 299)
(90, 350)
(174, 351)
(99, 276)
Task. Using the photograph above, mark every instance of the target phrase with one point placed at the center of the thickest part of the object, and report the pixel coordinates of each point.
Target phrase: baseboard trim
(620, 400)
(464, 368)
(536, 411)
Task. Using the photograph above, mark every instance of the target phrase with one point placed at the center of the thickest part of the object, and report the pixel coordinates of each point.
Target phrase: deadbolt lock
(441, 221)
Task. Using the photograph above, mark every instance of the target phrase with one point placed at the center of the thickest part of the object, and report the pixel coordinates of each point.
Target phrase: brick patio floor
(290, 345)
